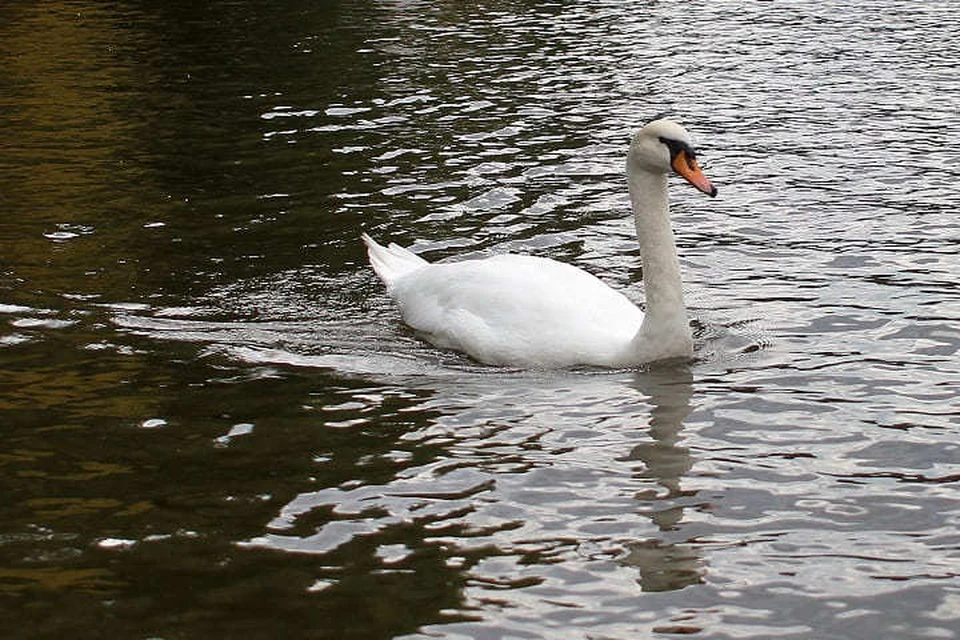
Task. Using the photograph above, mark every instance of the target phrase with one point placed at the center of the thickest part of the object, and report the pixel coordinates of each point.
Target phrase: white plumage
(539, 313)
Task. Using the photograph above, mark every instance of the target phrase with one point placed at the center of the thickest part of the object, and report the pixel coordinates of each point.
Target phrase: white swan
(534, 312)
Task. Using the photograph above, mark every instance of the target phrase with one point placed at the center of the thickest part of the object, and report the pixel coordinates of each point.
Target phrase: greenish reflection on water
(136, 171)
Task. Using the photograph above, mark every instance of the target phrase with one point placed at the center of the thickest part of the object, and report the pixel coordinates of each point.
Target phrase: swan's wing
(518, 310)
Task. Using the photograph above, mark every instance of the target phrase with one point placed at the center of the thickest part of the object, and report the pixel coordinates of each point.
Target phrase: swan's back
(519, 310)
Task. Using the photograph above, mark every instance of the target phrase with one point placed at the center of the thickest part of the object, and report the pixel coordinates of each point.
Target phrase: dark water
(214, 425)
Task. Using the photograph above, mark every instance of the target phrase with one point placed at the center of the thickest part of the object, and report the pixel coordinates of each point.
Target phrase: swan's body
(539, 313)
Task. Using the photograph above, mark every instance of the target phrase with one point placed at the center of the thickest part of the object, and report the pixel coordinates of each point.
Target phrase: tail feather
(393, 261)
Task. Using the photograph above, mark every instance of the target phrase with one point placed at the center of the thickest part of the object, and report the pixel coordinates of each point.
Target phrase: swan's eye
(676, 146)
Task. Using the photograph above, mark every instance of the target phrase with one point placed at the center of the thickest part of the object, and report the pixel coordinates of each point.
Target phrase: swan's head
(663, 146)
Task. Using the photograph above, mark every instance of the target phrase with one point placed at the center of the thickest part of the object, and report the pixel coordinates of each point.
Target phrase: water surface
(216, 426)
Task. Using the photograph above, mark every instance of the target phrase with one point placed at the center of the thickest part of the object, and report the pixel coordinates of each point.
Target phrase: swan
(537, 313)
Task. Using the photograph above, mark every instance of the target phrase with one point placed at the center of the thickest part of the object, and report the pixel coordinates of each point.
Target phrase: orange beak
(686, 165)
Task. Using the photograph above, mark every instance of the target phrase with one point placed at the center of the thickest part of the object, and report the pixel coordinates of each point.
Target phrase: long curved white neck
(665, 328)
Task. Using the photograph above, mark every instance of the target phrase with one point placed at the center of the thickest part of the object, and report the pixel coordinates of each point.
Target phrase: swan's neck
(665, 325)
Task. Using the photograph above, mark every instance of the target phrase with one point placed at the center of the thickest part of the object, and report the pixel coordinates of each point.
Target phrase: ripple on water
(798, 479)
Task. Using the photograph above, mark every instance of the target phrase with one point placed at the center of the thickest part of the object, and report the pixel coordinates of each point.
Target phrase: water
(215, 426)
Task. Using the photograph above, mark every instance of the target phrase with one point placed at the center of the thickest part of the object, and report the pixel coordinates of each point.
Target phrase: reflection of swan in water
(538, 313)
(669, 389)
(665, 566)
